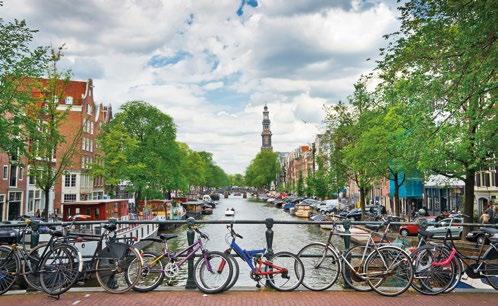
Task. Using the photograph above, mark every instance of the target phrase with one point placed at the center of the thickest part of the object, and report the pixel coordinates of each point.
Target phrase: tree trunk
(47, 204)
(468, 204)
(396, 195)
(363, 192)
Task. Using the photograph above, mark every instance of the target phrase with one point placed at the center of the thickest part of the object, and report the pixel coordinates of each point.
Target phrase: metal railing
(269, 222)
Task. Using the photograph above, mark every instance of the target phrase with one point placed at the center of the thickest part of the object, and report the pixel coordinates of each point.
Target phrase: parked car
(442, 227)
(353, 214)
(412, 229)
(478, 236)
(328, 206)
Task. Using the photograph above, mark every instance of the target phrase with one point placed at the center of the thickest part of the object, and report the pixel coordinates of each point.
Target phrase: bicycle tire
(401, 259)
(32, 278)
(298, 266)
(67, 269)
(352, 280)
(146, 271)
(313, 271)
(115, 266)
(235, 274)
(491, 272)
(426, 275)
(201, 271)
(9, 268)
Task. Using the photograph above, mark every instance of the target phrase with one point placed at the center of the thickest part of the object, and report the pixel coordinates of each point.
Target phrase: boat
(230, 212)
(278, 203)
(303, 210)
(104, 210)
(207, 209)
(193, 208)
(206, 198)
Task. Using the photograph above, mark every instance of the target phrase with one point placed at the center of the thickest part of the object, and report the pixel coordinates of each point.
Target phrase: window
(71, 197)
(5, 172)
(13, 176)
(485, 177)
(91, 127)
(70, 180)
(31, 199)
(89, 109)
(69, 100)
(32, 179)
(21, 173)
(478, 180)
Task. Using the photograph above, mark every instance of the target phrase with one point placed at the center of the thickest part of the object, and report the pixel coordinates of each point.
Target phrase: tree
(262, 170)
(445, 56)
(19, 65)
(321, 184)
(50, 152)
(153, 166)
(236, 180)
(300, 185)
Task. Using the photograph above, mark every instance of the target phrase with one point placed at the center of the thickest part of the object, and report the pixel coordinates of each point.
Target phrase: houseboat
(302, 210)
(230, 212)
(103, 210)
(193, 208)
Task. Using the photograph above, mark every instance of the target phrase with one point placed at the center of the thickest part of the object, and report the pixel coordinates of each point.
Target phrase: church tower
(266, 134)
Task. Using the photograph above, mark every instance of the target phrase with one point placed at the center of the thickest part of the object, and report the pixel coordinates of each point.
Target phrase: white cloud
(215, 70)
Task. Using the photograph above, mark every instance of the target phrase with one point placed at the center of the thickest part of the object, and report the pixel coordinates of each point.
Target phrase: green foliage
(300, 185)
(19, 64)
(263, 169)
(236, 180)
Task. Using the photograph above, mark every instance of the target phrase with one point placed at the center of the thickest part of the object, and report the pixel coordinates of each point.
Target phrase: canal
(287, 237)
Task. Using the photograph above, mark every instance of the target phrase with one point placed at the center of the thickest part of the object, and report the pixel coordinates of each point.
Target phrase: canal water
(287, 237)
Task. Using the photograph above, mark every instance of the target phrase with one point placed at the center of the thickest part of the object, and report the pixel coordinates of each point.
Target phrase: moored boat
(303, 210)
(230, 212)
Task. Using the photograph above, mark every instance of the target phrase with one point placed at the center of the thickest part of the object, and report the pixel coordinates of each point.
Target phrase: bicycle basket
(492, 252)
(9, 236)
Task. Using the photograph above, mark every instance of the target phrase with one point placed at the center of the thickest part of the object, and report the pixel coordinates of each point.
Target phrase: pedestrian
(490, 212)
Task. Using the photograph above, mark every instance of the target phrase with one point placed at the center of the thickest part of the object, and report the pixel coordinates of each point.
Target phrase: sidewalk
(249, 298)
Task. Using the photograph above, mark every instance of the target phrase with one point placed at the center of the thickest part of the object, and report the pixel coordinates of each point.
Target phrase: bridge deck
(250, 298)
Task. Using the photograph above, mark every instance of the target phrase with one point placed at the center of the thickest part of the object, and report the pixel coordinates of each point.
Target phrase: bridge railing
(269, 222)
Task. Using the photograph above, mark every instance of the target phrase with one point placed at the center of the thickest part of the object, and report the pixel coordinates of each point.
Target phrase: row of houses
(435, 193)
(19, 194)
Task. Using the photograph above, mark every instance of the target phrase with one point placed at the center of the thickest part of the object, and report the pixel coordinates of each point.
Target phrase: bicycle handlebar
(233, 233)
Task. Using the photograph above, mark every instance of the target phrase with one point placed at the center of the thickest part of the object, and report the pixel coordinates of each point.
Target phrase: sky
(213, 70)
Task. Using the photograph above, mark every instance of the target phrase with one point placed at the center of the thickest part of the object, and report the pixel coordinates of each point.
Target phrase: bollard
(347, 241)
(190, 239)
(269, 243)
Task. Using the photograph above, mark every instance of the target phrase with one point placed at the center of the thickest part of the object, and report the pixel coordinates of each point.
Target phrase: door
(14, 205)
(2, 201)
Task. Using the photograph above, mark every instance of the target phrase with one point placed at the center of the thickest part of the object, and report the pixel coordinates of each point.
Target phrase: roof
(76, 89)
(94, 202)
(443, 181)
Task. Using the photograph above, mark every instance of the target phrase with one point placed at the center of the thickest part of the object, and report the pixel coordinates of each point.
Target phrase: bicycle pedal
(258, 286)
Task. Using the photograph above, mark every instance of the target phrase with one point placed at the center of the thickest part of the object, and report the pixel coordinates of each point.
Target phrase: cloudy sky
(213, 70)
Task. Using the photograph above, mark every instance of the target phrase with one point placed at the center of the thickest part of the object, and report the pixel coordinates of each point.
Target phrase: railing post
(190, 239)
(269, 242)
(347, 241)
(35, 235)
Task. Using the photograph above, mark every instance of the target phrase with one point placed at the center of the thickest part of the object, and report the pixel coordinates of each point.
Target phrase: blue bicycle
(284, 271)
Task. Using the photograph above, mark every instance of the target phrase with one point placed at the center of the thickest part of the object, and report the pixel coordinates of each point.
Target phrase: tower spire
(266, 134)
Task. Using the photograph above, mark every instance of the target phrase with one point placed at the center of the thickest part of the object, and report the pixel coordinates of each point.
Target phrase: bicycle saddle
(489, 230)
(110, 227)
(426, 234)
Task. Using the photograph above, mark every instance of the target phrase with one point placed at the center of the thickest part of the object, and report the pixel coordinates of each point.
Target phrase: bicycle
(111, 263)
(387, 269)
(55, 255)
(483, 266)
(211, 266)
(278, 269)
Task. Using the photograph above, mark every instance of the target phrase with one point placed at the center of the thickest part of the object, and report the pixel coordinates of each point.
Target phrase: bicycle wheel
(9, 268)
(389, 270)
(59, 269)
(213, 272)
(31, 264)
(113, 270)
(428, 278)
(352, 276)
(491, 272)
(291, 277)
(152, 273)
(321, 265)
(235, 274)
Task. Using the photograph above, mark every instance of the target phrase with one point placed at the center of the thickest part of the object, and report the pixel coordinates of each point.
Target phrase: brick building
(18, 191)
